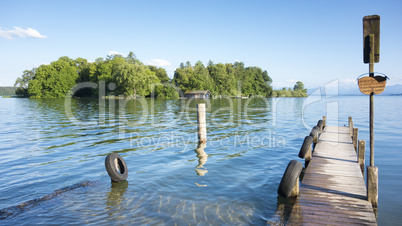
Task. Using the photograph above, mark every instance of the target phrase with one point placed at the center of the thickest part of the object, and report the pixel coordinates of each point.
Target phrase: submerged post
(362, 149)
(202, 126)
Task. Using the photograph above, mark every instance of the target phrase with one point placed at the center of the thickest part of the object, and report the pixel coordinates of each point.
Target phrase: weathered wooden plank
(328, 213)
(333, 191)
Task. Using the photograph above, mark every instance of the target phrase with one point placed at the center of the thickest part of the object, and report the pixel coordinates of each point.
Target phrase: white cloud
(236, 60)
(158, 63)
(114, 53)
(20, 32)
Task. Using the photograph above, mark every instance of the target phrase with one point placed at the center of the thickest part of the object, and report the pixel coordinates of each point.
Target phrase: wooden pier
(333, 191)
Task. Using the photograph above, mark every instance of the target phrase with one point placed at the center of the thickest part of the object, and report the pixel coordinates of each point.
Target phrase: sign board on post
(368, 85)
(371, 25)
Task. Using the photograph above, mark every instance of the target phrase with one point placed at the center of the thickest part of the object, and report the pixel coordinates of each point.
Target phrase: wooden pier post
(372, 185)
(362, 149)
(315, 140)
(324, 118)
(295, 191)
(351, 127)
(355, 136)
(314, 133)
(202, 126)
(308, 157)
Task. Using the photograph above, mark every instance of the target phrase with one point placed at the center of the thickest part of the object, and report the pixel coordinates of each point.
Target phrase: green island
(132, 78)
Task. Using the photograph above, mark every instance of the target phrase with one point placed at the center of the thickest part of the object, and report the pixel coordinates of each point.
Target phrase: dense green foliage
(7, 90)
(223, 79)
(130, 77)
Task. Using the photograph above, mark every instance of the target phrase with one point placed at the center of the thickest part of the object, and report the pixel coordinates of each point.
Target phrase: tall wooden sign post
(371, 85)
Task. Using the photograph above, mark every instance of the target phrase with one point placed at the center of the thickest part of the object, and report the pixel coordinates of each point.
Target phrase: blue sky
(315, 42)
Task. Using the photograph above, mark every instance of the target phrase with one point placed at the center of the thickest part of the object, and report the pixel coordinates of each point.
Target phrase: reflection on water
(283, 211)
(116, 196)
(202, 158)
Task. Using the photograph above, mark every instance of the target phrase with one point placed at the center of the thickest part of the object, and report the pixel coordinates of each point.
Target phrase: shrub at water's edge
(131, 78)
(298, 91)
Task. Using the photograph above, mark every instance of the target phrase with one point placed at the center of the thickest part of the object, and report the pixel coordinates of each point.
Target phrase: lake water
(49, 144)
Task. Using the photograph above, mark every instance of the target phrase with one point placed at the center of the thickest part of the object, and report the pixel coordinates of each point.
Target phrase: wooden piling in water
(315, 140)
(202, 126)
(308, 157)
(295, 190)
(324, 118)
(362, 149)
(355, 136)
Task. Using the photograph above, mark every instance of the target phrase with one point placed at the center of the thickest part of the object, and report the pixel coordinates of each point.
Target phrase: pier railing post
(351, 128)
(372, 185)
(202, 126)
(324, 119)
(308, 157)
(355, 136)
(362, 149)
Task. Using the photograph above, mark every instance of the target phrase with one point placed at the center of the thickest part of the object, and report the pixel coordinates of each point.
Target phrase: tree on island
(299, 86)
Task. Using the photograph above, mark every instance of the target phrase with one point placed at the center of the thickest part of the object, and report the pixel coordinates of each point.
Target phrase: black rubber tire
(314, 131)
(116, 167)
(304, 148)
(290, 178)
(320, 124)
